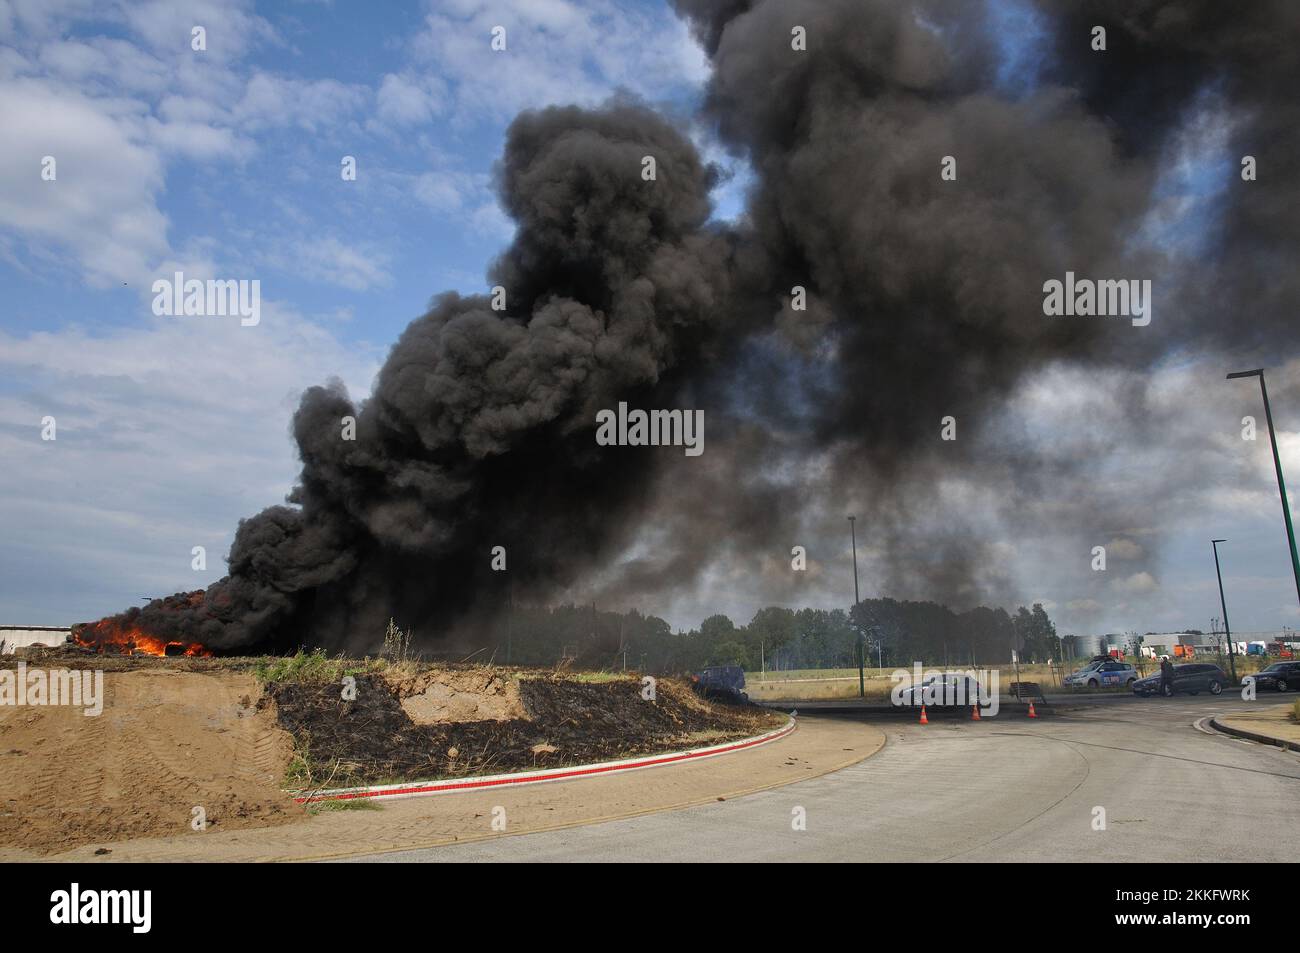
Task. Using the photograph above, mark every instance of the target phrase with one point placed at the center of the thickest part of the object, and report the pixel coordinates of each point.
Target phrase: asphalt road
(1001, 789)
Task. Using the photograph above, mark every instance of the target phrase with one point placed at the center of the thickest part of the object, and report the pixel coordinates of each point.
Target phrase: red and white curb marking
(422, 788)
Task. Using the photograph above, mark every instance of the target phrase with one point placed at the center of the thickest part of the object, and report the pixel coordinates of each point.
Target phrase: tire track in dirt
(166, 742)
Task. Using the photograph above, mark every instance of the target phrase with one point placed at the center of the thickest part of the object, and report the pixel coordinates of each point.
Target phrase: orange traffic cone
(924, 720)
(974, 712)
(1032, 713)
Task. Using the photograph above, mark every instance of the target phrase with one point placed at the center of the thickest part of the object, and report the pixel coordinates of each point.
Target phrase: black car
(1280, 676)
(1192, 678)
(947, 689)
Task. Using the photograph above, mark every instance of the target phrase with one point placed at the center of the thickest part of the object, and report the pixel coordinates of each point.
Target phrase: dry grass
(832, 684)
(817, 690)
(829, 684)
(351, 804)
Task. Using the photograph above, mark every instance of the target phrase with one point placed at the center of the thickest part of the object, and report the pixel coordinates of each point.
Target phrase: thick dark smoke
(925, 301)
(479, 430)
(928, 299)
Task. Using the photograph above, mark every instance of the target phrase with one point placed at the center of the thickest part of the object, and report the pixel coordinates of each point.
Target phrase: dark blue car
(721, 681)
(1191, 678)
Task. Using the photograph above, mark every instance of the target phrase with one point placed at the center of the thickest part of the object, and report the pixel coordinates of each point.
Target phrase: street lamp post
(1227, 629)
(862, 678)
(510, 621)
(1277, 466)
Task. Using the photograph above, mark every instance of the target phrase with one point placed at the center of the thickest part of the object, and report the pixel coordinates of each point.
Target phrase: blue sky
(226, 163)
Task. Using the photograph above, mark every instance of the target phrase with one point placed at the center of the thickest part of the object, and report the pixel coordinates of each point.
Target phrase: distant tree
(1023, 626)
(885, 621)
(731, 653)
(1047, 643)
(717, 627)
(769, 631)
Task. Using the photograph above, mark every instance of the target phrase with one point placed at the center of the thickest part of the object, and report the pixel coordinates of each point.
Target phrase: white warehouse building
(23, 636)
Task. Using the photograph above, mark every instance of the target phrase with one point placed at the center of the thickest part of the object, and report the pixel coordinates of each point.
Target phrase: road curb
(572, 772)
(1254, 736)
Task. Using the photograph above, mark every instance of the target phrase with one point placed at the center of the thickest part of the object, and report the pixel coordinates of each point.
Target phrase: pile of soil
(167, 742)
(563, 720)
(433, 698)
(177, 734)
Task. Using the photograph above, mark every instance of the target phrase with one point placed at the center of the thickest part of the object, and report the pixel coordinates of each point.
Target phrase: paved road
(1001, 789)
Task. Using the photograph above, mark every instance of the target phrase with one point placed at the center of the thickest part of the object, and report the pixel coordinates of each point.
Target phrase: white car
(1102, 673)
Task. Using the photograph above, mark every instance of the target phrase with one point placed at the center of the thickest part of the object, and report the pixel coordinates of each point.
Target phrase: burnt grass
(372, 740)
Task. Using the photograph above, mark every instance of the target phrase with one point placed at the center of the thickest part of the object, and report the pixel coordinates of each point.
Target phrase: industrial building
(23, 636)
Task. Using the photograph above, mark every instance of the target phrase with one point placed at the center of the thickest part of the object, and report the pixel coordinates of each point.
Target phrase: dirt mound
(434, 698)
(566, 720)
(166, 743)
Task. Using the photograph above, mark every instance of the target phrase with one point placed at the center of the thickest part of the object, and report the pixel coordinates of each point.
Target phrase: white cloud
(167, 435)
(556, 52)
(1139, 582)
(327, 259)
(115, 113)
(270, 100)
(466, 197)
(1123, 549)
(102, 205)
(409, 99)
(232, 29)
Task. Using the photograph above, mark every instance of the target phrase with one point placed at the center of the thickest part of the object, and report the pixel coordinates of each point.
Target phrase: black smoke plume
(925, 301)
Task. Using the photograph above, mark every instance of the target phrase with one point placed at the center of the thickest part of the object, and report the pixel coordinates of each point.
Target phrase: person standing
(1166, 676)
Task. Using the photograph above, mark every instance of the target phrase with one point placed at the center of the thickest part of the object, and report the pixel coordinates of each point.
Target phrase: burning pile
(124, 634)
(109, 637)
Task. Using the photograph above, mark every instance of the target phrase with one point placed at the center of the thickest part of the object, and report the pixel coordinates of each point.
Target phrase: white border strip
(424, 788)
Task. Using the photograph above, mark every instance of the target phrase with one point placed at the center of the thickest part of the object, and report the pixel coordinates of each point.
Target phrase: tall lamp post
(1277, 466)
(1227, 629)
(862, 678)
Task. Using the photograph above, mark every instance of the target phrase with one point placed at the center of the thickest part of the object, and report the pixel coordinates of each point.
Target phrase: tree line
(894, 633)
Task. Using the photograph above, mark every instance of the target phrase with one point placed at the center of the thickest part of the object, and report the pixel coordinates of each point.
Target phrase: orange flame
(107, 636)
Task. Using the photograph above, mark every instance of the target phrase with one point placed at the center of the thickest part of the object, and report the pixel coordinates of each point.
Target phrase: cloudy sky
(226, 162)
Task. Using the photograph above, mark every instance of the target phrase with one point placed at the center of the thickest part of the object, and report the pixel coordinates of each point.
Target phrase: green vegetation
(775, 638)
(313, 666)
(298, 775)
(598, 678)
(304, 774)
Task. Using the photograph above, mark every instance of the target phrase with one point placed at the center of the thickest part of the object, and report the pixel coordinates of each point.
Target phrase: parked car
(1280, 676)
(940, 690)
(1192, 678)
(1102, 672)
(721, 681)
